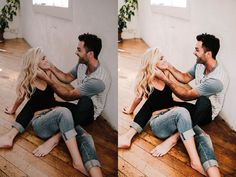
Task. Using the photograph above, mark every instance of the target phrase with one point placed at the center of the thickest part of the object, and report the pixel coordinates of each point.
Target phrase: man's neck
(92, 66)
(210, 65)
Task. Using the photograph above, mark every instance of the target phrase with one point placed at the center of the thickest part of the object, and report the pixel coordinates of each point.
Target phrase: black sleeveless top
(39, 100)
(163, 99)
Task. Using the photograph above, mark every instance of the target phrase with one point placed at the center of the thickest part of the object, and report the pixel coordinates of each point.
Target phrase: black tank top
(163, 99)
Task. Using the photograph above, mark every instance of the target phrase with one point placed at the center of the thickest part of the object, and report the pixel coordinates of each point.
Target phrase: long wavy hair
(28, 72)
(143, 86)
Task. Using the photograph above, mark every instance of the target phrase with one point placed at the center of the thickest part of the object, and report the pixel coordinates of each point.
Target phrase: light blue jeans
(60, 120)
(178, 119)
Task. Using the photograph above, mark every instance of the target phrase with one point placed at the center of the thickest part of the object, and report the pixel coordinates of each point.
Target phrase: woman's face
(43, 62)
(161, 63)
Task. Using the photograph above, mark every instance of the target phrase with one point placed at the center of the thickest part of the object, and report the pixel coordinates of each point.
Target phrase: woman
(48, 122)
(168, 119)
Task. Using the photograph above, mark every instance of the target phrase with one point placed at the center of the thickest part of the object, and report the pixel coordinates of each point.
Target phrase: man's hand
(163, 65)
(46, 65)
(41, 74)
(160, 75)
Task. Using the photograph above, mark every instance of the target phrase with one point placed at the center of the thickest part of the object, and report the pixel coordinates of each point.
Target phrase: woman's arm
(131, 108)
(14, 107)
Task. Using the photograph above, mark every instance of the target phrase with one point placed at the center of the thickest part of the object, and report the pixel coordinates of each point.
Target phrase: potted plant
(6, 15)
(125, 13)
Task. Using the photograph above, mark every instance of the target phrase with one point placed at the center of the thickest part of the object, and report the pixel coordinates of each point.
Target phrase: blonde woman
(166, 119)
(48, 119)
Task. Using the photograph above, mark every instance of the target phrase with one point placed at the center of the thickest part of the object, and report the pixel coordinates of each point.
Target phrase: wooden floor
(19, 161)
(137, 161)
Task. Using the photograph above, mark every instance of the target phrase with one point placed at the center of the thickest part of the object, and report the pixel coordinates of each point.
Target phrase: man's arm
(180, 76)
(179, 90)
(61, 76)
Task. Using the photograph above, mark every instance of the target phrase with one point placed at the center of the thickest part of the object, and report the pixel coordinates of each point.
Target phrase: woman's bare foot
(164, 147)
(46, 147)
(81, 168)
(199, 168)
(124, 142)
(6, 141)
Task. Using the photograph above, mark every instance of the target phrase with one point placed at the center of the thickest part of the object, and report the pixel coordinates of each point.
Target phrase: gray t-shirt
(212, 85)
(94, 85)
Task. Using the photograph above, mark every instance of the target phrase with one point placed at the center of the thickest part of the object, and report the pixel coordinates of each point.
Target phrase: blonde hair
(143, 86)
(28, 72)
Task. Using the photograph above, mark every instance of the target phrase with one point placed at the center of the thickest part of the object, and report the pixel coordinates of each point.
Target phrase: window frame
(59, 12)
(176, 12)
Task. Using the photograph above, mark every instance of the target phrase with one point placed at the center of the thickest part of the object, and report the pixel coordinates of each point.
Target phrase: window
(173, 8)
(56, 3)
(56, 8)
(173, 3)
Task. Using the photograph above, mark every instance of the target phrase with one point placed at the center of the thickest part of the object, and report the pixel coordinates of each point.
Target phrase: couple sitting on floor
(51, 119)
(156, 80)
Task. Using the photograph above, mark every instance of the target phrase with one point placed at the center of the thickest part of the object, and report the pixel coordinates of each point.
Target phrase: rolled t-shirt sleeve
(91, 87)
(209, 87)
(192, 71)
(73, 71)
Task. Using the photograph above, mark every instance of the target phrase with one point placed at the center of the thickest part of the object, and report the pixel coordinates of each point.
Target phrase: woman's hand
(9, 110)
(127, 110)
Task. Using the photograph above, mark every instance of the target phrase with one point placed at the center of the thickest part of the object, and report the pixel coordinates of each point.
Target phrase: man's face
(199, 53)
(81, 53)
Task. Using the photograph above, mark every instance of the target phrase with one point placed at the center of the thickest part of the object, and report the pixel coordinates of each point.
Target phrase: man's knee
(203, 101)
(85, 103)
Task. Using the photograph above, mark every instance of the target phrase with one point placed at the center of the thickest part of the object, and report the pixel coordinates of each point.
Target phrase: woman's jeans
(201, 111)
(60, 119)
(167, 123)
(178, 119)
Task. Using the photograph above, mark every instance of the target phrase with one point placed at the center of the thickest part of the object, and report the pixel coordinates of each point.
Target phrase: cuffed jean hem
(18, 126)
(187, 134)
(210, 163)
(69, 134)
(92, 163)
(136, 126)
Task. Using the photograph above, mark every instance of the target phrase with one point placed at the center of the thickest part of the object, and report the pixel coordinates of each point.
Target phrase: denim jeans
(167, 123)
(60, 119)
(201, 111)
(205, 148)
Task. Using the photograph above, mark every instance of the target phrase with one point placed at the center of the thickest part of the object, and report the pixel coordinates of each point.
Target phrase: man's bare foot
(164, 147)
(81, 168)
(6, 141)
(46, 147)
(124, 142)
(199, 168)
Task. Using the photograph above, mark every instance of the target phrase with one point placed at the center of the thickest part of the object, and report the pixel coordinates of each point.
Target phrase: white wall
(176, 37)
(59, 38)
(14, 30)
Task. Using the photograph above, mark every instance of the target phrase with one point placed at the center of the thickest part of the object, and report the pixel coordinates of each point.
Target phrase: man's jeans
(205, 148)
(178, 119)
(60, 119)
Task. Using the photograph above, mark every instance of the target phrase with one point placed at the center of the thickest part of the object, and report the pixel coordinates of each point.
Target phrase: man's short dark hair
(91, 43)
(209, 43)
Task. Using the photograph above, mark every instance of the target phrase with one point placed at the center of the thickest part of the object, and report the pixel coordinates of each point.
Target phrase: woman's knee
(64, 114)
(183, 114)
